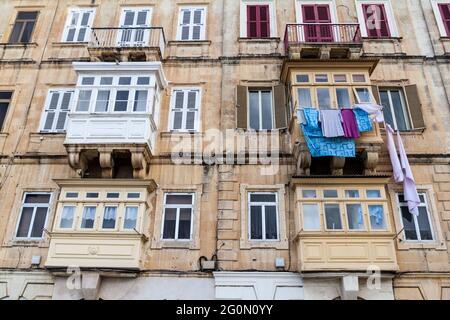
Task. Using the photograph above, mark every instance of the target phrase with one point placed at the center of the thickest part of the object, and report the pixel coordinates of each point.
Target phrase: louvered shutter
(241, 107)
(415, 106)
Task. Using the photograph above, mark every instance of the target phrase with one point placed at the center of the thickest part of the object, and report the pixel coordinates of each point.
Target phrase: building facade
(152, 149)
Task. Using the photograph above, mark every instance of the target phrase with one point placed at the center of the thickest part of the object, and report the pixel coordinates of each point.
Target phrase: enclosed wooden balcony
(323, 41)
(100, 224)
(127, 44)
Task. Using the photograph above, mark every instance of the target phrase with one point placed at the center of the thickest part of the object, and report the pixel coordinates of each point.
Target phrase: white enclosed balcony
(115, 113)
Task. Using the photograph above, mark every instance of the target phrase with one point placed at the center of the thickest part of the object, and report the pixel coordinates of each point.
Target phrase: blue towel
(318, 145)
(363, 120)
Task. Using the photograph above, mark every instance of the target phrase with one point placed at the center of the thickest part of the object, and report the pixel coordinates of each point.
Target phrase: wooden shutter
(415, 107)
(375, 15)
(320, 16)
(258, 21)
(241, 107)
(264, 22)
(444, 8)
(280, 106)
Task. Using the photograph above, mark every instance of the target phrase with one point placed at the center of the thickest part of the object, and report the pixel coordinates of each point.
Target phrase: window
(114, 94)
(263, 216)
(376, 19)
(395, 109)
(317, 20)
(441, 10)
(134, 27)
(344, 209)
(416, 228)
(185, 106)
(88, 218)
(177, 222)
(261, 113)
(67, 216)
(33, 217)
(109, 217)
(78, 25)
(23, 27)
(258, 21)
(56, 109)
(5, 100)
(130, 220)
(191, 24)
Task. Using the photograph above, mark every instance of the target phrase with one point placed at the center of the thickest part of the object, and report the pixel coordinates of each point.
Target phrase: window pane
(304, 97)
(323, 97)
(27, 31)
(112, 195)
(359, 78)
(106, 81)
(330, 193)
(355, 217)
(87, 221)
(364, 95)
(86, 81)
(124, 81)
(302, 78)
(400, 116)
(263, 198)
(384, 96)
(321, 78)
(170, 216)
(309, 194)
(266, 100)
(376, 214)
(311, 218)
(39, 222)
(373, 194)
(408, 224)
(84, 100)
(256, 222)
(343, 98)
(37, 198)
(333, 217)
(133, 195)
(140, 101)
(92, 195)
(271, 222)
(143, 81)
(3, 110)
(179, 199)
(351, 193)
(424, 224)
(25, 221)
(109, 218)
(15, 34)
(102, 101)
(184, 225)
(340, 78)
(121, 101)
(67, 216)
(254, 110)
(130, 217)
(177, 120)
(72, 195)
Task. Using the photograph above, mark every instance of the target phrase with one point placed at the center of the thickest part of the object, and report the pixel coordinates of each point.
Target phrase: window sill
(189, 42)
(390, 39)
(259, 40)
(407, 245)
(412, 132)
(275, 245)
(27, 243)
(48, 134)
(19, 45)
(70, 44)
(167, 244)
(168, 134)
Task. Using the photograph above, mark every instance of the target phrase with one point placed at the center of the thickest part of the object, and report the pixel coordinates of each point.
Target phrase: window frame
(273, 33)
(405, 106)
(9, 101)
(185, 109)
(177, 218)
(191, 24)
(25, 21)
(57, 111)
(34, 206)
(68, 26)
(272, 107)
(263, 212)
(416, 224)
(393, 30)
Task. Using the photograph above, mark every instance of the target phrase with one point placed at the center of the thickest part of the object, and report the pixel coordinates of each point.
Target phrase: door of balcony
(317, 19)
(134, 28)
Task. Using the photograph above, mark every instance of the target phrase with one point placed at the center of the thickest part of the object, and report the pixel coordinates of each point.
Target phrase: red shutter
(377, 23)
(444, 8)
(258, 21)
(320, 18)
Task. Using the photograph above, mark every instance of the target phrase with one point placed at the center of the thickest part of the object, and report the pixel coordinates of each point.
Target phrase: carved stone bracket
(77, 160)
(371, 157)
(337, 166)
(303, 160)
(106, 162)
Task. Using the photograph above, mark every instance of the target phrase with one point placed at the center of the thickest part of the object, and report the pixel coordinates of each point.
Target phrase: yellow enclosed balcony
(343, 224)
(100, 224)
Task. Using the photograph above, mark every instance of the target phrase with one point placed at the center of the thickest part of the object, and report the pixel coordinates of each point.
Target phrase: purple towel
(349, 124)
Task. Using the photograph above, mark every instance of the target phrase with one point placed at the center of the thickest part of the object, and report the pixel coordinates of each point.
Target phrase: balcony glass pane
(84, 100)
(302, 78)
(343, 98)
(333, 217)
(140, 101)
(330, 193)
(88, 219)
(87, 81)
(67, 216)
(364, 95)
(311, 217)
(355, 217)
(130, 217)
(351, 193)
(106, 81)
(309, 194)
(102, 101)
(304, 97)
(323, 98)
(121, 101)
(109, 218)
(377, 219)
(124, 81)
(373, 194)
(143, 81)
